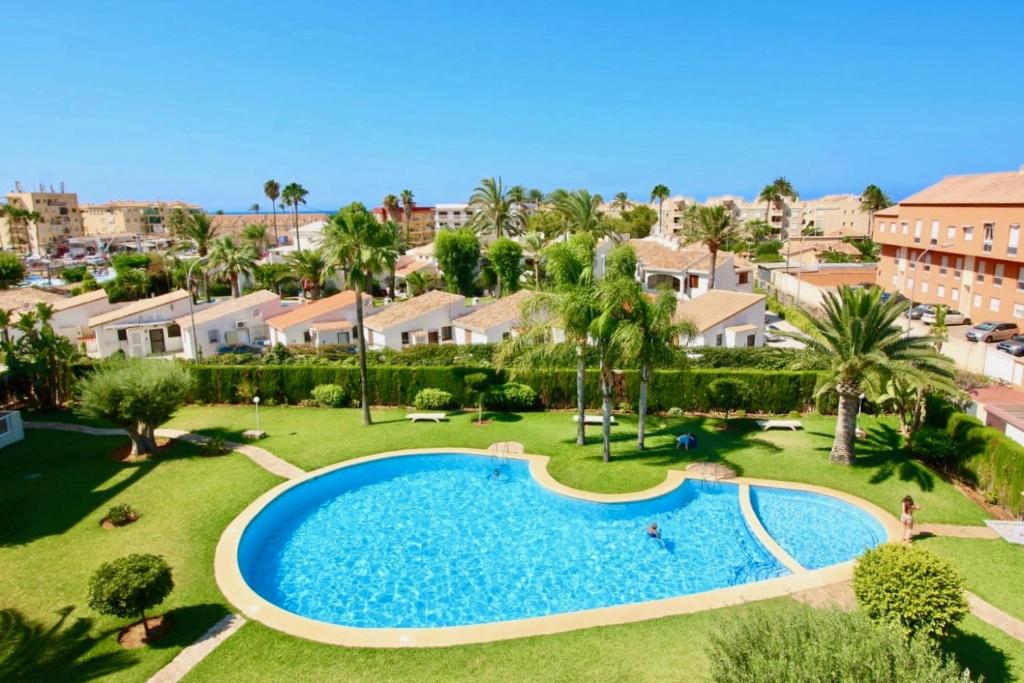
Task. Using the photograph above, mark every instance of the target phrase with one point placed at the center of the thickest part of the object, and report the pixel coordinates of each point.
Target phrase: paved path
(260, 456)
(991, 614)
(187, 659)
(956, 531)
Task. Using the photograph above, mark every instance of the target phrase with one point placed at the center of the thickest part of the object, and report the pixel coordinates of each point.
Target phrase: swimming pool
(453, 539)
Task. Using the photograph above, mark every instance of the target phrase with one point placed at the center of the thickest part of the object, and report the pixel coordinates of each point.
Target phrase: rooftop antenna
(62, 187)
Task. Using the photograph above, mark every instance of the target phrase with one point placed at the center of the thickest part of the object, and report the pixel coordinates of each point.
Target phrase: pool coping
(234, 587)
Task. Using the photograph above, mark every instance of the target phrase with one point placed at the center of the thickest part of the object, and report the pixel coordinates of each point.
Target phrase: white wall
(430, 321)
(160, 317)
(73, 323)
(493, 335)
(1002, 366)
(296, 334)
(254, 330)
(751, 316)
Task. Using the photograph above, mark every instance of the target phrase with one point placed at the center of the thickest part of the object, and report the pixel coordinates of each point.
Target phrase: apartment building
(786, 219)
(130, 217)
(834, 215)
(59, 219)
(421, 223)
(451, 216)
(958, 243)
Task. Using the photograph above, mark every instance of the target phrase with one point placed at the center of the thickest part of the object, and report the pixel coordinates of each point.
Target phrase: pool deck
(233, 585)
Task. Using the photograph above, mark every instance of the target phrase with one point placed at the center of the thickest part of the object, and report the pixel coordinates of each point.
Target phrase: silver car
(991, 331)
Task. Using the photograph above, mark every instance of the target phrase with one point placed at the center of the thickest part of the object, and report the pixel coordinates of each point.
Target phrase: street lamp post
(191, 308)
(916, 261)
(256, 400)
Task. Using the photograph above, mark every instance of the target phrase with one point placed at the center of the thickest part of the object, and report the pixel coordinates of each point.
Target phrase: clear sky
(204, 101)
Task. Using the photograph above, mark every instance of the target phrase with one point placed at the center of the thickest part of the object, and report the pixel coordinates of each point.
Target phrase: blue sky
(205, 101)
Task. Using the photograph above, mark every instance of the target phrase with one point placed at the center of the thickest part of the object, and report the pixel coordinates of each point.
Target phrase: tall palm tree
(256, 235)
(354, 240)
(858, 340)
(294, 195)
(178, 221)
(660, 193)
(873, 199)
(647, 337)
(582, 212)
(493, 209)
(254, 207)
(390, 206)
(408, 203)
(621, 202)
(712, 226)
(272, 189)
(19, 220)
(201, 231)
(535, 241)
(393, 240)
(309, 266)
(613, 305)
(770, 195)
(421, 282)
(233, 260)
(535, 196)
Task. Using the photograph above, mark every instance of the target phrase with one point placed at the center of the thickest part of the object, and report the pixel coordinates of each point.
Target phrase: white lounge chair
(593, 419)
(435, 417)
(780, 424)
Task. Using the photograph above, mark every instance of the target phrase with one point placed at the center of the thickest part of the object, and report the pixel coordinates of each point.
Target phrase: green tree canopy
(129, 586)
(12, 270)
(506, 257)
(458, 254)
(620, 262)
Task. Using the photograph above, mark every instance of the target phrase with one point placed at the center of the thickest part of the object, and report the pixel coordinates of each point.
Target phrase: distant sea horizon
(267, 212)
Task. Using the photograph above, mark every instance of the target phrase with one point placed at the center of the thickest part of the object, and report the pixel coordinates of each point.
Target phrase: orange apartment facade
(958, 243)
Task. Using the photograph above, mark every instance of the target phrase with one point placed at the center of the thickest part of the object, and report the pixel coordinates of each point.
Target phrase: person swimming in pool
(653, 531)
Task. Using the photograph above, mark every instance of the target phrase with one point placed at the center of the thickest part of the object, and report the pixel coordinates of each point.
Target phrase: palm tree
(178, 220)
(272, 189)
(858, 341)
(18, 221)
(582, 212)
(255, 208)
(6, 317)
(535, 196)
(660, 193)
(408, 203)
(355, 242)
(493, 209)
(873, 199)
(712, 226)
(647, 337)
(233, 260)
(420, 282)
(613, 305)
(201, 231)
(256, 235)
(535, 242)
(621, 202)
(293, 195)
(309, 266)
(390, 206)
(769, 195)
(395, 240)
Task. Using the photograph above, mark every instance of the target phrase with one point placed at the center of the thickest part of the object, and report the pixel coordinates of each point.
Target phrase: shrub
(12, 270)
(911, 589)
(433, 399)
(73, 273)
(506, 258)
(330, 396)
(215, 446)
(129, 586)
(122, 514)
(988, 459)
(728, 395)
(934, 445)
(458, 256)
(511, 397)
(805, 644)
(675, 411)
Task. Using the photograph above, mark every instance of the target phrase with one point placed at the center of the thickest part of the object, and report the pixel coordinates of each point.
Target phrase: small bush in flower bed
(122, 514)
(432, 399)
(330, 396)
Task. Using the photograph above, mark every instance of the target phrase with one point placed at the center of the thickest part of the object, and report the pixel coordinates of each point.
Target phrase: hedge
(767, 391)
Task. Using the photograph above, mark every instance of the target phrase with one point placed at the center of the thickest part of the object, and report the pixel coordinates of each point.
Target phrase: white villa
(425, 319)
(71, 316)
(142, 328)
(326, 321)
(233, 322)
(723, 318)
(491, 323)
(687, 270)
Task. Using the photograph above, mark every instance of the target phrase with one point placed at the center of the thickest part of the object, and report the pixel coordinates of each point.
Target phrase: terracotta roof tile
(136, 307)
(714, 307)
(315, 309)
(229, 307)
(979, 188)
(506, 309)
(404, 311)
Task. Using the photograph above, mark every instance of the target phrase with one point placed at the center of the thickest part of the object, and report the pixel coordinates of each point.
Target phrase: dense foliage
(911, 589)
(129, 586)
(73, 273)
(458, 256)
(330, 396)
(433, 399)
(39, 362)
(511, 397)
(506, 257)
(12, 270)
(805, 645)
(122, 514)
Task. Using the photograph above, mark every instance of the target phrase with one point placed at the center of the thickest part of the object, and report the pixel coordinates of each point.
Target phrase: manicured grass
(312, 438)
(55, 487)
(994, 570)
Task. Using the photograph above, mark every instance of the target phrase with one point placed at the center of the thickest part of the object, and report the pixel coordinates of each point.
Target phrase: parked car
(952, 318)
(772, 336)
(1013, 346)
(918, 311)
(889, 295)
(991, 331)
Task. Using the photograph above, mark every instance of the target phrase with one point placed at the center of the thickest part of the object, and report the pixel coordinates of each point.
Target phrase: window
(917, 231)
(743, 278)
(927, 262)
(213, 336)
(997, 276)
(940, 291)
(959, 266)
(506, 335)
(977, 301)
(344, 338)
(951, 232)
(910, 284)
(122, 335)
(981, 271)
(307, 336)
(446, 333)
(968, 233)
(935, 233)
(694, 281)
(905, 228)
(405, 339)
(1020, 278)
(1018, 310)
(1011, 246)
(990, 231)
(993, 304)
(751, 340)
(881, 227)
(718, 340)
(173, 331)
(943, 263)
(924, 287)
(954, 294)
(896, 279)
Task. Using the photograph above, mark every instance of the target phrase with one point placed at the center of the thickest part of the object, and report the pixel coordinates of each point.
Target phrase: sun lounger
(593, 419)
(780, 424)
(435, 417)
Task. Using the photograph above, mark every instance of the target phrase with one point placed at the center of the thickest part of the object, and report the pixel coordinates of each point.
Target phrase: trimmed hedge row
(990, 460)
(766, 391)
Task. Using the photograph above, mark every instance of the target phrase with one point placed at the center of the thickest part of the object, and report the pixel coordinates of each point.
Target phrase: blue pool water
(437, 540)
(815, 530)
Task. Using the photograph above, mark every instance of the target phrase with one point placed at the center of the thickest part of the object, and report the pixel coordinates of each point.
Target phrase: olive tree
(136, 394)
(129, 586)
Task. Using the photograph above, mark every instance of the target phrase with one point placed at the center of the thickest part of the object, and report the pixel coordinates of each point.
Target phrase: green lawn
(313, 437)
(994, 570)
(55, 487)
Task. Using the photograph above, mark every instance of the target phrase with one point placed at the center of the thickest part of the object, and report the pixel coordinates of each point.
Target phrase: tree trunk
(141, 443)
(392, 284)
(581, 404)
(235, 293)
(918, 415)
(145, 625)
(641, 423)
(536, 270)
(606, 412)
(363, 393)
(714, 262)
(273, 207)
(846, 425)
(298, 243)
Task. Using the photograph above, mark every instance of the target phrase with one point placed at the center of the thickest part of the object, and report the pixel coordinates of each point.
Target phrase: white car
(952, 318)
